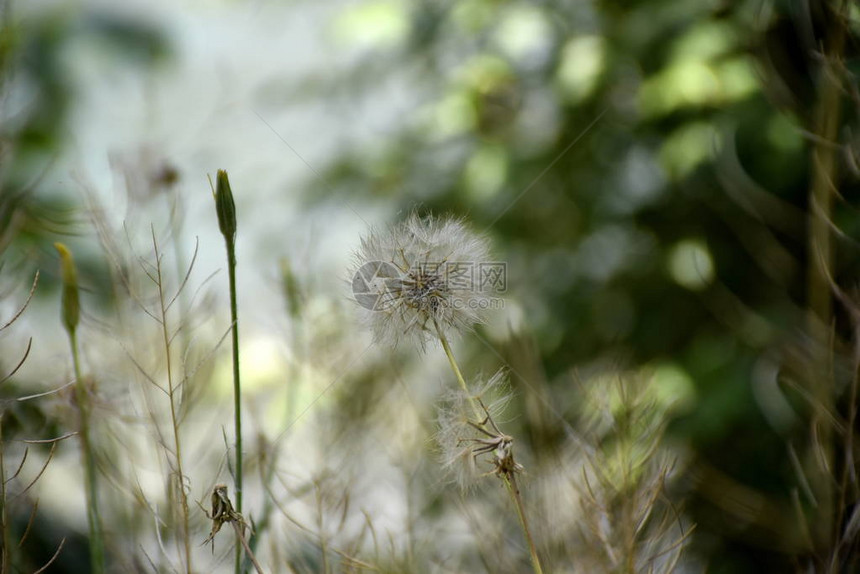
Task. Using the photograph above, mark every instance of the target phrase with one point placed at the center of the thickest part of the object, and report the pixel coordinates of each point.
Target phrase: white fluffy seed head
(455, 436)
(418, 274)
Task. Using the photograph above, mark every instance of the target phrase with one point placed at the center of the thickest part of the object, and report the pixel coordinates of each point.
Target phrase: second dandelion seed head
(469, 433)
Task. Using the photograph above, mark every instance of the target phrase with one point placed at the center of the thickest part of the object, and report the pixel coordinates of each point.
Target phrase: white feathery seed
(463, 439)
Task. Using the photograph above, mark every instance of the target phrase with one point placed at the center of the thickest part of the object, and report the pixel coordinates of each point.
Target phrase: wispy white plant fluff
(418, 276)
(466, 442)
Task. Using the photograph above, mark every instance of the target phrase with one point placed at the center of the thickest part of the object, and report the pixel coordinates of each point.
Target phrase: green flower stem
(70, 315)
(237, 387)
(97, 556)
(453, 362)
(514, 492)
(225, 207)
(509, 480)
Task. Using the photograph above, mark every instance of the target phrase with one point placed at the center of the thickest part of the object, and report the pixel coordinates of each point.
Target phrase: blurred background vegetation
(672, 184)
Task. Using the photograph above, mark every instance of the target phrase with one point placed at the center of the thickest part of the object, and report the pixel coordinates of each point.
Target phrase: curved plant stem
(97, 556)
(508, 479)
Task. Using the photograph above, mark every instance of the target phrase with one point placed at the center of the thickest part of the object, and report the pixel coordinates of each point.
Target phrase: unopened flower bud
(225, 206)
(70, 305)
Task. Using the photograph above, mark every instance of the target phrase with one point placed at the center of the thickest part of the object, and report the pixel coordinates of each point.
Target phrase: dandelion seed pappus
(417, 277)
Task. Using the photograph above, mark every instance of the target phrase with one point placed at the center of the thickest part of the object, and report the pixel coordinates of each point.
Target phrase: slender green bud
(70, 305)
(225, 206)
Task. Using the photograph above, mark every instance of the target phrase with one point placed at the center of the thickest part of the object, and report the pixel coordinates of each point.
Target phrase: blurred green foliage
(37, 94)
(643, 168)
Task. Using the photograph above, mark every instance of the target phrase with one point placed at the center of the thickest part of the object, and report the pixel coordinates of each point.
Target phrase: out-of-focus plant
(70, 309)
(630, 522)
(172, 380)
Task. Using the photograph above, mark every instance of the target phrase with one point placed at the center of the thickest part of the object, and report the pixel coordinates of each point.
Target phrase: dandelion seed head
(411, 278)
(466, 442)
